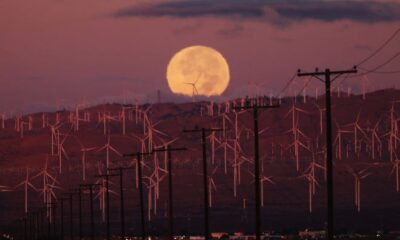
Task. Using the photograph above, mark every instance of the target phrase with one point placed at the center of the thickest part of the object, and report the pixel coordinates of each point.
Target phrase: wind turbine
(26, 185)
(357, 130)
(61, 150)
(194, 89)
(375, 139)
(107, 147)
(296, 144)
(84, 150)
(211, 186)
(338, 140)
(46, 177)
(309, 174)
(4, 188)
(45, 120)
(3, 118)
(54, 135)
(358, 176)
(224, 145)
(151, 131)
(212, 137)
(321, 116)
(122, 117)
(396, 170)
(392, 135)
(297, 133)
(76, 117)
(101, 194)
(165, 145)
(263, 179)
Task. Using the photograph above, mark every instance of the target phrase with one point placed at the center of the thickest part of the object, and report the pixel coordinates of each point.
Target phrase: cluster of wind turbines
(227, 146)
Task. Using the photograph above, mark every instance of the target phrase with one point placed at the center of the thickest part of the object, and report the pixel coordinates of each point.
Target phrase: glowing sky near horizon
(54, 52)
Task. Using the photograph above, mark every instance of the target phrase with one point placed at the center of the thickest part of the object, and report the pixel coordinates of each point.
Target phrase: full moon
(198, 70)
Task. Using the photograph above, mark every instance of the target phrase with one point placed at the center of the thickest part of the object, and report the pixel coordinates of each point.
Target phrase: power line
(304, 87)
(373, 70)
(385, 72)
(288, 84)
(380, 48)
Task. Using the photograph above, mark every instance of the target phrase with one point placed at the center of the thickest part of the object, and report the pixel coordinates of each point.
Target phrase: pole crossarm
(71, 223)
(197, 129)
(322, 73)
(169, 151)
(106, 175)
(255, 107)
(137, 154)
(203, 132)
(163, 149)
(329, 146)
(116, 169)
(89, 185)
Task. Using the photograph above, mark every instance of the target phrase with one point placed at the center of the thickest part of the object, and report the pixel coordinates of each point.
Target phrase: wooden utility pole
(53, 216)
(106, 176)
(90, 187)
(77, 191)
(329, 148)
(170, 186)
(71, 221)
(121, 195)
(205, 174)
(139, 166)
(80, 212)
(255, 106)
(25, 228)
(62, 217)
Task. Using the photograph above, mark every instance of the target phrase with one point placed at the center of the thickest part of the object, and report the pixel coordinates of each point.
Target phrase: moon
(198, 70)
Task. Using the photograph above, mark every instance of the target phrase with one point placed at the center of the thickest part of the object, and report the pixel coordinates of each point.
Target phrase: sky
(61, 53)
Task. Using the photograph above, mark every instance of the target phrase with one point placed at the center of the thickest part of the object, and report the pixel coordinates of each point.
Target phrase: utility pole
(42, 211)
(30, 231)
(53, 209)
(255, 106)
(205, 174)
(29, 224)
(34, 227)
(62, 218)
(90, 187)
(106, 176)
(80, 213)
(170, 185)
(36, 224)
(29, 217)
(121, 196)
(71, 223)
(48, 216)
(25, 228)
(329, 151)
(79, 192)
(139, 166)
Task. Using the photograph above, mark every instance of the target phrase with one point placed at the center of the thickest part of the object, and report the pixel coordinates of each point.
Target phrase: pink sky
(66, 51)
